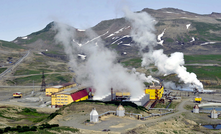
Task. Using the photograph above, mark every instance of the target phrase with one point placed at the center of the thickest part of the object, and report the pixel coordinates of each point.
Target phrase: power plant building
(94, 116)
(120, 111)
(68, 96)
(155, 92)
(58, 88)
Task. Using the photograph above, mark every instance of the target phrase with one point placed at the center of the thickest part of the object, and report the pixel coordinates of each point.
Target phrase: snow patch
(118, 31)
(24, 38)
(81, 30)
(193, 39)
(110, 35)
(187, 26)
(77, 43)
(83, 57)
(96, 37)
(159, 38)
(127, 27)
(40, 53)
(206, 43)
(160, 42)
(120, 39)
(127, 45)
(168, 12)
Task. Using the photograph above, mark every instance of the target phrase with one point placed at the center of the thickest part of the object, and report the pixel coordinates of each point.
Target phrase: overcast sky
(22, 17)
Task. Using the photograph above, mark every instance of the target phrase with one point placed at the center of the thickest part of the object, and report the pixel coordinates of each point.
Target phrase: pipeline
(143, 118)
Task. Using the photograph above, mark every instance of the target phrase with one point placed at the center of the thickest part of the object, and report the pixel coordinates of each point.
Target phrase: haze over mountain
(176, 30)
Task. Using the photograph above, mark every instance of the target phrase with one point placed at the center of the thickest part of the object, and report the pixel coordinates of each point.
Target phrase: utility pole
(43, 84)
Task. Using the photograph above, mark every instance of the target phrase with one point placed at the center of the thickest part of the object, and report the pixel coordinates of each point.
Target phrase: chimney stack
(112, 93)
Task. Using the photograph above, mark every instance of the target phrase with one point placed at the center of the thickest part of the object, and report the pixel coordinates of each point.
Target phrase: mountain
(176, 30)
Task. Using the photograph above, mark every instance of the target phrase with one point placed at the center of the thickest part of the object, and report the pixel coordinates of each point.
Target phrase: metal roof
(57, 86)
(154, 87)
(71, 90)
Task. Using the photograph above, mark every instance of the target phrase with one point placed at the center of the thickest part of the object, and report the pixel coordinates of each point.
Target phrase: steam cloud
(143, 33)
(100, 69)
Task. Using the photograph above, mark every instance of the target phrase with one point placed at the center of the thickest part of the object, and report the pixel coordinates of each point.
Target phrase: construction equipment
(198, 99)
(17, 95)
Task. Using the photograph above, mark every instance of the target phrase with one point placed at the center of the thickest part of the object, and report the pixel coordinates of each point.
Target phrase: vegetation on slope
(10, 45)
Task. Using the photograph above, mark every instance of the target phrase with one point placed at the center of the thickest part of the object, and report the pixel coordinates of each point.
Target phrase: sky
(19, 18)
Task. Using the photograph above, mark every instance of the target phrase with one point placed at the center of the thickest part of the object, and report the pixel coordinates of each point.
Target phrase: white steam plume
(142, 34)
(142, 28)
(100, 69)
(143, 77)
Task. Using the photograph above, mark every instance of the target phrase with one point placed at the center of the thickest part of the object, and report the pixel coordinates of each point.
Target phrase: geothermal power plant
(69, 92)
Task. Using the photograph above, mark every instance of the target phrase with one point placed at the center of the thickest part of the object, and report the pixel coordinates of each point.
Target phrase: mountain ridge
(176, 30)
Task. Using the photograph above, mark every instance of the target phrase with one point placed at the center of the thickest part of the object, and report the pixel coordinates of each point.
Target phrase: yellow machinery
(155, 92)
(17, 95)
(198, 99)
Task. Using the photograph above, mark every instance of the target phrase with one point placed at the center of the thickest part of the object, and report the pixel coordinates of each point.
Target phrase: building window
(58, 102)
(62, 102)
(62, 96)
(62, 99)
(65, 96)
(66, 99)
(66, 102)
(58, 96)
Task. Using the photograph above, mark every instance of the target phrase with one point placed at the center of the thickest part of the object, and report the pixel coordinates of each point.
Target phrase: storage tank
(214, 114)
(94, 116)
(196, 109)
(120, 111)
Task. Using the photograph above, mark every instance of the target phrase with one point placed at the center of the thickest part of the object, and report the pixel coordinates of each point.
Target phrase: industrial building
(155, 92)
(58, 88)
(68, 96)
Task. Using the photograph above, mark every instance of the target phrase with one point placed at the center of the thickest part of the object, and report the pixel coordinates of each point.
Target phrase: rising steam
(143, 34)
(100, 69)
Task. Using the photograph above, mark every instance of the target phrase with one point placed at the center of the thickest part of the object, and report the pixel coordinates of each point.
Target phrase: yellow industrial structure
(68, 96)
(155, 92)
(17, 95)
(58, 88)
(122, 94)
(198, 99)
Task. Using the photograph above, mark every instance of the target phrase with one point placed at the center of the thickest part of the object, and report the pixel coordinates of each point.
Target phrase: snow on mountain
(193, 39)
(83, 57)
(160, 36)
(96, 37)
(118, 31)
(187, 26)
(126, 45)
(110, 35)
(77, 43)
(24, 38)
(207, 43)
(81, 30)
(120, 39)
